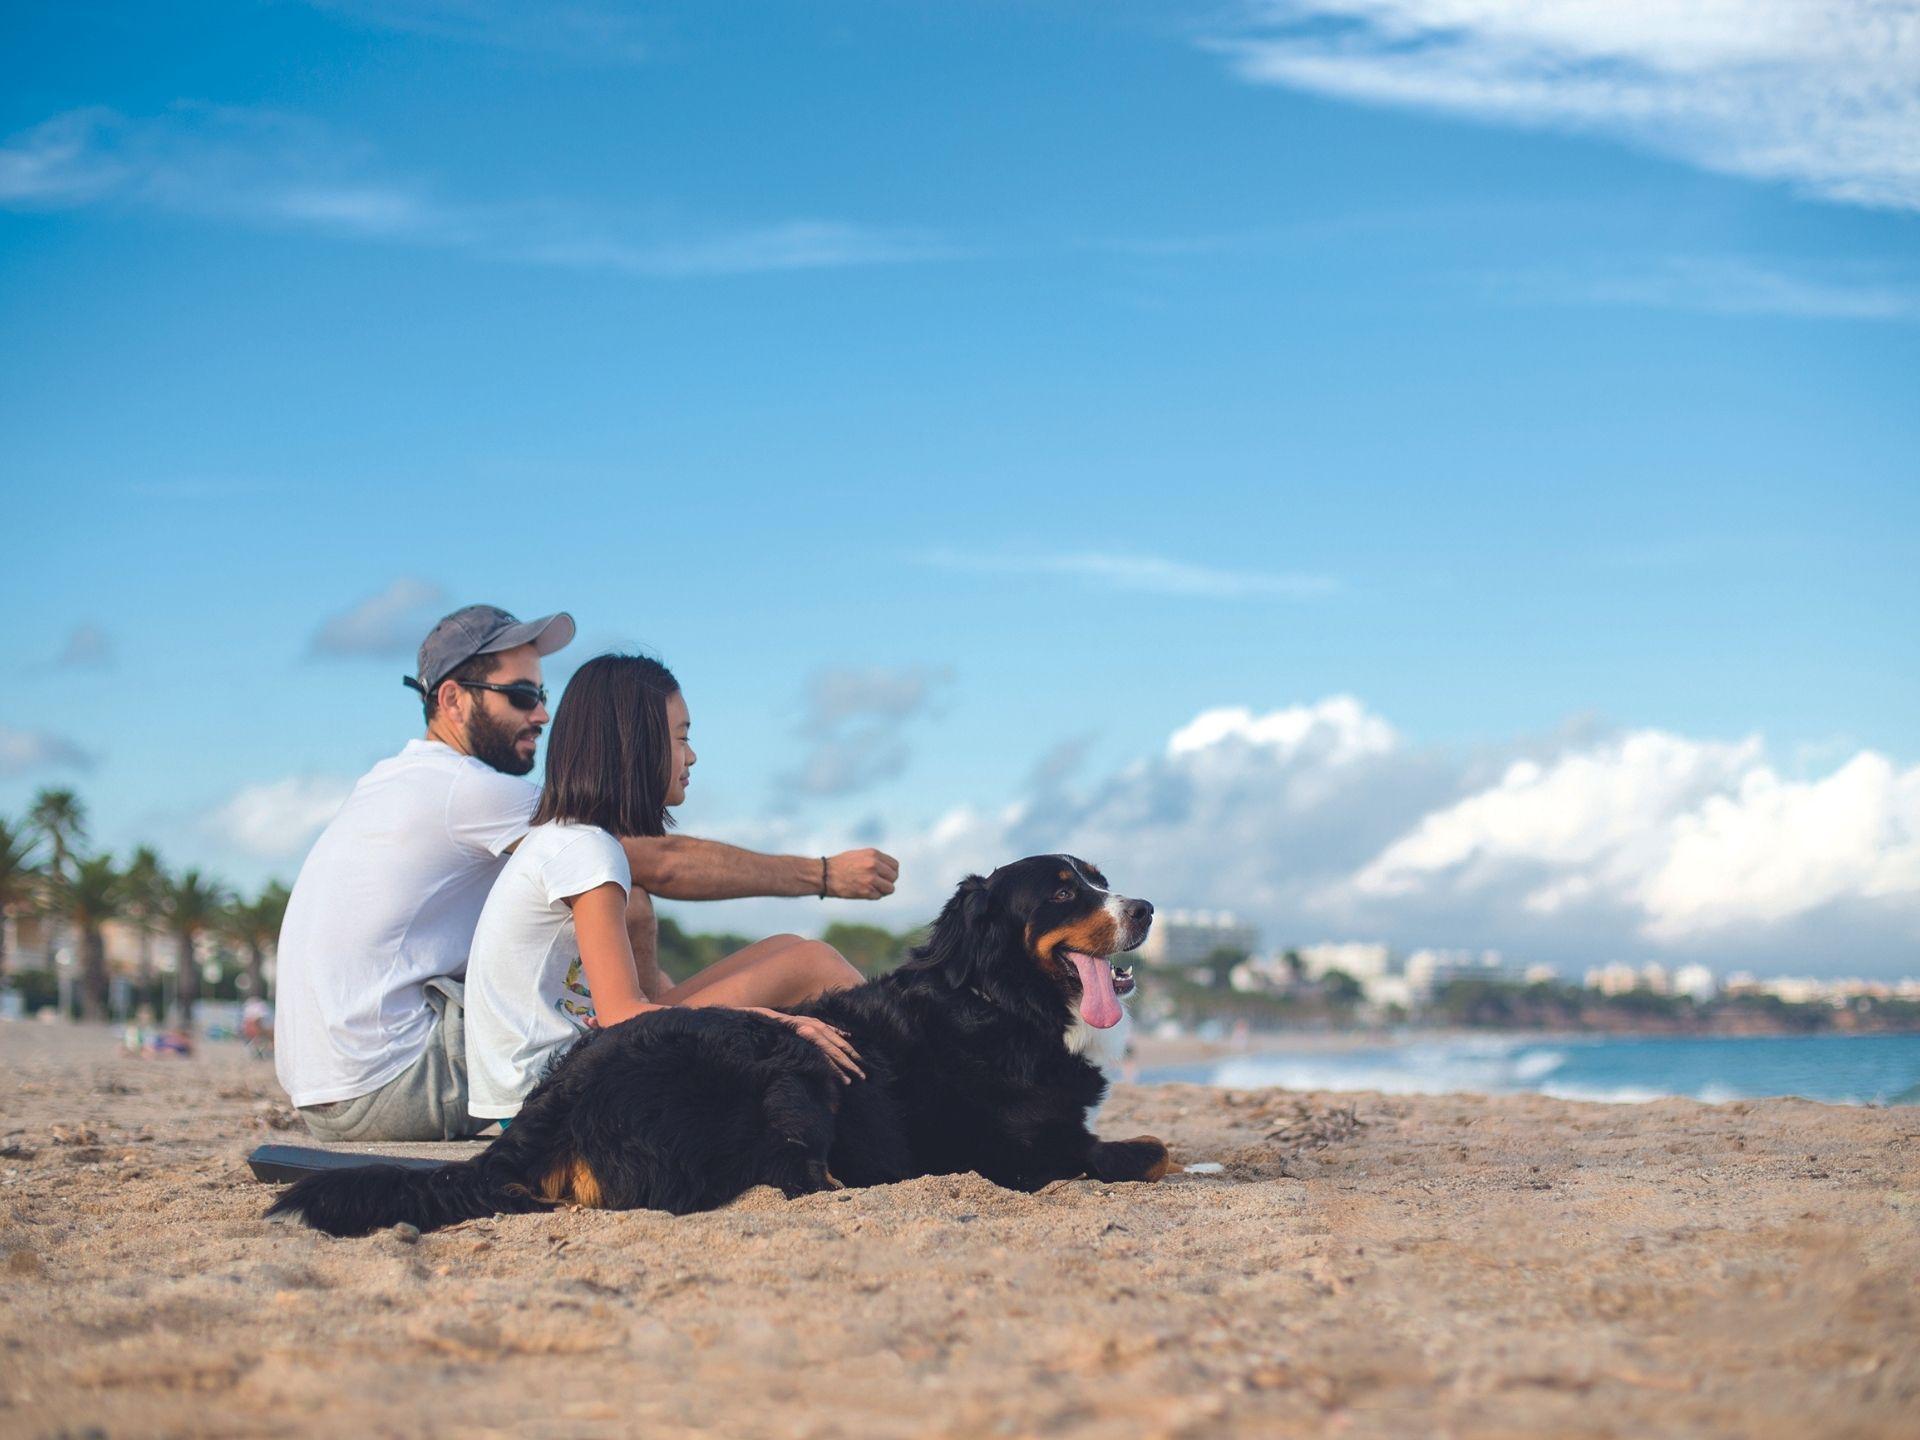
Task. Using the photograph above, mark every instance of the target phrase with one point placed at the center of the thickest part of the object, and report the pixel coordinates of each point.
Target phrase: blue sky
(964, 399)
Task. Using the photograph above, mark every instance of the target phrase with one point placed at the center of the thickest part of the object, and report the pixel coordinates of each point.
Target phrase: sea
(1837, 1069)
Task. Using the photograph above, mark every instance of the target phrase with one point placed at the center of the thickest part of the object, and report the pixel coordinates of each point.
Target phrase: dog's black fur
(964, 1049)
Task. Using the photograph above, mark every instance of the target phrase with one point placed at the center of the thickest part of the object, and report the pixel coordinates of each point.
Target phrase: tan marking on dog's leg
(572, 1181)
(586, 1186)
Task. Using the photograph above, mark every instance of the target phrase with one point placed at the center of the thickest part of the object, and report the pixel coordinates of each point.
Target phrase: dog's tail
(500, 1180)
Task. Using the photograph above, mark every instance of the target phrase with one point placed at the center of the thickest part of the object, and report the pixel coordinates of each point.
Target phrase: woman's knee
(827, 965)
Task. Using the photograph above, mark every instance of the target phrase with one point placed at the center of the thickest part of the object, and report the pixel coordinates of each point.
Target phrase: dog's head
(1039, 935)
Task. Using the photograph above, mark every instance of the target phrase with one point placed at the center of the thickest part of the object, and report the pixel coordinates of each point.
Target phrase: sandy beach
(1361, 1265)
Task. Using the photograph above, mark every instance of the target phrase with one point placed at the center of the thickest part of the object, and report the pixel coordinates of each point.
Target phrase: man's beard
(492, 741)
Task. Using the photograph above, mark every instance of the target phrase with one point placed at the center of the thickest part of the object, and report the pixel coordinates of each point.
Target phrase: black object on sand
(282, 1164)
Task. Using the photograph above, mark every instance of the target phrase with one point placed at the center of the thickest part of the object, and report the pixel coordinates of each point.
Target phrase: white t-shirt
(386, 901)
(527, 997)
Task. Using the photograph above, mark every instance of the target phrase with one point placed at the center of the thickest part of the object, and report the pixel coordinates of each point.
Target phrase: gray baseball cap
(483, 630)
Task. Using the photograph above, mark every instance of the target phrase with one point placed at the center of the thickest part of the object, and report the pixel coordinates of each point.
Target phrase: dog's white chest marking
(1105, 1048)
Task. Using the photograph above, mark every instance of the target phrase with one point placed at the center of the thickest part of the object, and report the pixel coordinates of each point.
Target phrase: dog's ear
(974, 899)
(961, 934)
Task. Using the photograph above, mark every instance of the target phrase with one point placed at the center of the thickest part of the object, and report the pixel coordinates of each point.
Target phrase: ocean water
(1838, 1069)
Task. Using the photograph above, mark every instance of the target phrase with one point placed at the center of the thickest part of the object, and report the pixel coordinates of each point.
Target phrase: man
(369, 1039)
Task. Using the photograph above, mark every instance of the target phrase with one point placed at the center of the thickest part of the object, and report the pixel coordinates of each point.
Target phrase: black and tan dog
(971, 1050)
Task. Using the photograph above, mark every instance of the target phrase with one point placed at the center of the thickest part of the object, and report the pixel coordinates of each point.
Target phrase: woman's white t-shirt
(527, 997)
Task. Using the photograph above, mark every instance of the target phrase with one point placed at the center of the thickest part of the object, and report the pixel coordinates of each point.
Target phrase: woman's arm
(606, 954)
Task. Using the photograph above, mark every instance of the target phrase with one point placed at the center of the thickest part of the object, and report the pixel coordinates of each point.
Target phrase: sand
(1362, 1266)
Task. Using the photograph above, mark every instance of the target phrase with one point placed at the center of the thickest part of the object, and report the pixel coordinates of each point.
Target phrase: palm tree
(87, 898)
(255, 924)
(146, 895)
(193, 905)
(62, 820)
(19, 878)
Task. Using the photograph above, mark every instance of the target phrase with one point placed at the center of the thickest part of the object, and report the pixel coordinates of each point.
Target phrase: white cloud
(1148, 574)
(279, 819)
(1341, 725)
(1817, 93)
(1774, 849)
(1319, 819)
(1592, 812)
(269, 169)
(24, 751)
(392, 622)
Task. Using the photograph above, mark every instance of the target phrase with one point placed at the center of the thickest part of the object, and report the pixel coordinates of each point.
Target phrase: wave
(1419, 1068)
(1875, 1071)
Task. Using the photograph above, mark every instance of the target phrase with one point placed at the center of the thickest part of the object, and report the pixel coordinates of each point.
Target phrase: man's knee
(639, 907)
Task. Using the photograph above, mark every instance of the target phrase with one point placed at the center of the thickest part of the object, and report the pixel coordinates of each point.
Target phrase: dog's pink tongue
(1099, 1006)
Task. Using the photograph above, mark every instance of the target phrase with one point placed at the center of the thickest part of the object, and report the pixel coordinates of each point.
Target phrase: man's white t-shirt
(527, 997)
(386, 901)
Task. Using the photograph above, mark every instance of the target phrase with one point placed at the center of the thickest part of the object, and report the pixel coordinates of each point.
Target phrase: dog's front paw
(1142, 1158)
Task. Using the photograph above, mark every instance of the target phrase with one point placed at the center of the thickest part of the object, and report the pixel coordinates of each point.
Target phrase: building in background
(1619, 978)
(1364, 960)
(1696, 982)
(1191, 937)
(1428, 970)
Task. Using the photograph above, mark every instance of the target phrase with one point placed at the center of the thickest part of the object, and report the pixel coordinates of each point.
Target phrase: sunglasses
(522, 694)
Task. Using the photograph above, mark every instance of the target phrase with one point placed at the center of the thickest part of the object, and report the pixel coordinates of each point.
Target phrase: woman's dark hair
(609, 751)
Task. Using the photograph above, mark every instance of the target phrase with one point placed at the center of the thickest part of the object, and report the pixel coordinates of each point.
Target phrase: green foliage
(1341, 990)
(61, 820)
(255, 923)
(1174, 993)
(39, 989)
(146, 886)
(192, 903)
(1649, 1004)
(20, 876)
(1774, 1013)
(91, 894)
(682, 956)
(1474, 1001)
(869, 949)
(1222, 962)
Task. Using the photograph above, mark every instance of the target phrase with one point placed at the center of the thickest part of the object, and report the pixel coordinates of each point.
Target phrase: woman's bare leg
(780, 970)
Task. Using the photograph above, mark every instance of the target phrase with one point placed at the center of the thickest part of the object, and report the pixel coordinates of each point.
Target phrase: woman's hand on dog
(831, 1039)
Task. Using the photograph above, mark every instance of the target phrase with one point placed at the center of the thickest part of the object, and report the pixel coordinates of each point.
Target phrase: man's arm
(683, 867)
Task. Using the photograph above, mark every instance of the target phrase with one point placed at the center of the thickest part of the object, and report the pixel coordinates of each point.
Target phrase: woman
(552, 956)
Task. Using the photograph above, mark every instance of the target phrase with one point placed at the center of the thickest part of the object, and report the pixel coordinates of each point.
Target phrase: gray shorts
(426, 1101)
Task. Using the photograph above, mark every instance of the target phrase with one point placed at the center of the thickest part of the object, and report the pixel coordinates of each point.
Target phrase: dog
(968, 1068)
